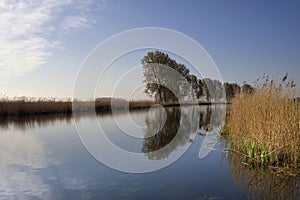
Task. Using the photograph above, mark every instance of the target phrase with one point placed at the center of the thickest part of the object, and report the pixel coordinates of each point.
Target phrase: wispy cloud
(25, 27)
(76, 22)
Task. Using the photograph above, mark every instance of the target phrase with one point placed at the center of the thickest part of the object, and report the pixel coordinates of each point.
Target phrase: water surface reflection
(41, 157)
(254, 183)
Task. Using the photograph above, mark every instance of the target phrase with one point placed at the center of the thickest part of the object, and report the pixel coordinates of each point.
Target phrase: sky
(44, 43)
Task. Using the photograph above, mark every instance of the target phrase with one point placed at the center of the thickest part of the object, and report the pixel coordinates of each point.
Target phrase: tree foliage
(165, 79)
(232, 90)
(168, 81)
(247, 89)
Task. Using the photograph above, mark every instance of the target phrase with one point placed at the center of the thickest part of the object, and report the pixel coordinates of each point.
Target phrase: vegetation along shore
(263, 122)
(264, 126)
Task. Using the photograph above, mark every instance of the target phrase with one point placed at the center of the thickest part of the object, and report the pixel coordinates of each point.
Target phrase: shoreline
(24, 109)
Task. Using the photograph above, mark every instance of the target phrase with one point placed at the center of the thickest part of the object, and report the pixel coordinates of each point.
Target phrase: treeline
(168, 81)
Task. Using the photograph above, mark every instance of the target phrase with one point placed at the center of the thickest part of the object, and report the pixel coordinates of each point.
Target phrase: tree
(193, 81)
(218, 94)
(229, 91)
(236, 89)
(214, 89)
(206, 91)
(232, 90)
(247, 89)
(196, 86)
(164, 77)
(200, 89)
(154, 74)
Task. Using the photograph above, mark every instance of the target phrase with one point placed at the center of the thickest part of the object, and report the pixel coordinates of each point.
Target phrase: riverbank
(264, 127)
(24, 108)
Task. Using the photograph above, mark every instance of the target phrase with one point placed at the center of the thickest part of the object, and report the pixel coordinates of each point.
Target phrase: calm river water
(44, 158)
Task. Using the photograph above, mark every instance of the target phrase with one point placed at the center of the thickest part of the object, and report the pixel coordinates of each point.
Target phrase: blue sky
(42, 44)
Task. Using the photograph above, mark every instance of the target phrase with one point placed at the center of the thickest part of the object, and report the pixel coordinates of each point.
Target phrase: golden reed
(264, 126)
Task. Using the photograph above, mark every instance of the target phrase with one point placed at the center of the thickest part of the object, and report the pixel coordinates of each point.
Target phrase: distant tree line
(168, 81)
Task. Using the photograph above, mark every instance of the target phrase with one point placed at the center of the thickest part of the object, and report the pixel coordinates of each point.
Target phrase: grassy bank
(264, 126)
(26, 108)
(23, 108)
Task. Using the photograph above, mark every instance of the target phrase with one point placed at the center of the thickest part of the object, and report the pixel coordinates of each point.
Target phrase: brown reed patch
(265, 126)
(26, 108)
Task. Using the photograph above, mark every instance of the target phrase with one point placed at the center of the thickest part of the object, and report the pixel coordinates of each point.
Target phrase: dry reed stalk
(265, 125)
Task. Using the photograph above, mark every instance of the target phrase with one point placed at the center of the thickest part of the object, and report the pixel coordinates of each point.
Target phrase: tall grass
(22, 108)
(265, 126)
(28, 106)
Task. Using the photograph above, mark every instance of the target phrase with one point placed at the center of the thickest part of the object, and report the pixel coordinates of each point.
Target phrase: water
(44, 158)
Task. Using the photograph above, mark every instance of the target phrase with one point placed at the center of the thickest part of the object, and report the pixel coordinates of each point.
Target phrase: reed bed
(22, 108)
(264, 126)
(25, 106)
(141, 104)
(42, 107)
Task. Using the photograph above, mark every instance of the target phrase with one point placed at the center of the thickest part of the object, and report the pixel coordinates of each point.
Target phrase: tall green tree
(164, 77)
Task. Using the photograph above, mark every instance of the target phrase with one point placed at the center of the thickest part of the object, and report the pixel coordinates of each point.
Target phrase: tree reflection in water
(252, 183)
(164, 125)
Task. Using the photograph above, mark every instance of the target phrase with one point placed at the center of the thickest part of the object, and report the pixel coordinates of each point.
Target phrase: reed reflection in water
(258, 183)
(33, 121)
(36, 151)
